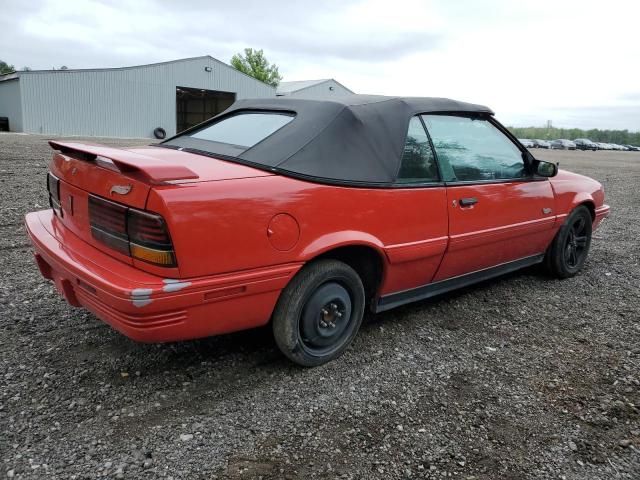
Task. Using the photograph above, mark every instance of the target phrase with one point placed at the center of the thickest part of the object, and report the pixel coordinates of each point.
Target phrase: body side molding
(393, 300)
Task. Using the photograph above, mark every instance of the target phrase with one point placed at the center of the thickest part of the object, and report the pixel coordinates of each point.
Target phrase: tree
(621, 137)
(254, 63)
(6, 68)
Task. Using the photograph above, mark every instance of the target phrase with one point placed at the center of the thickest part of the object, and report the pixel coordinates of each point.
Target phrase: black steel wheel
(569, 250)
(319, 313)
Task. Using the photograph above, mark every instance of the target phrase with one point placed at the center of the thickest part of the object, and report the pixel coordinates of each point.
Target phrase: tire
(319, 313)
(159, 133)
(569, 250)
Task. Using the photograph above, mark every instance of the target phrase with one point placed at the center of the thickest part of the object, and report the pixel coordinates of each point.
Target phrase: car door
(498, 212)
(415, 234)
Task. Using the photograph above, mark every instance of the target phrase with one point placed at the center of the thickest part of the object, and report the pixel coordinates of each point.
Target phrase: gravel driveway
(518, 378)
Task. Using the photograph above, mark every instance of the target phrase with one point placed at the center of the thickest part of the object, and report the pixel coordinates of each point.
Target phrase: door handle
(468, 202)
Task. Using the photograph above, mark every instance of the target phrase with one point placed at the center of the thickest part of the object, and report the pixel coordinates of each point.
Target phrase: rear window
(243, 129)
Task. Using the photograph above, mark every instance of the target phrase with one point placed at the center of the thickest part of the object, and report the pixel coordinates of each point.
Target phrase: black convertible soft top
(353, 139)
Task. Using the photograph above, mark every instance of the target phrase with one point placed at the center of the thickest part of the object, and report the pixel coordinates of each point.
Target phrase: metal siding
(127, 102)
(321, 90)
(11, 103)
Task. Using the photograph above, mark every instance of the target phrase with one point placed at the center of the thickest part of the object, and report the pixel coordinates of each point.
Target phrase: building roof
(19, 73)
(9, 76)
(349, 139)
(295, 86)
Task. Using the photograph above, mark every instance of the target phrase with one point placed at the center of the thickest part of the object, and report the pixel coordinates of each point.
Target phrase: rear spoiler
(152, 169)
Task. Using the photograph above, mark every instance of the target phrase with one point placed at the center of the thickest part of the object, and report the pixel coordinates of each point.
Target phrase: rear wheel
(568, 252)
(319, 313)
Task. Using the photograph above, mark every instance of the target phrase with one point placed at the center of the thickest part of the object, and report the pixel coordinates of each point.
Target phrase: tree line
(620, 137)
(6, 68)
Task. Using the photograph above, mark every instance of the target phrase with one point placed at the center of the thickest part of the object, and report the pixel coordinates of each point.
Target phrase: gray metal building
(124, 102)
(325, 88)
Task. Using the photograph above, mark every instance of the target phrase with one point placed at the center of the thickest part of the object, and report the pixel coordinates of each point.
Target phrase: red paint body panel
(240, 235)
(143, 306)
(568, 196)
(207, 169)
(150, 168)
(98, 178)
(227, 223)
(81, 177)
(507, 223)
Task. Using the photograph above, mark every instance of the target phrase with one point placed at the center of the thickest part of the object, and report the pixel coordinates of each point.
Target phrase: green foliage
(254, 63)
(620, 137)
(6, 68)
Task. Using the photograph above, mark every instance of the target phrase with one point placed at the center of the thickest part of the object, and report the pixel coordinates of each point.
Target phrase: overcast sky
(576, 63)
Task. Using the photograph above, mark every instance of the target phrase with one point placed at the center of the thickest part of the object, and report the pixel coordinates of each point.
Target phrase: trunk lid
(126, 176)
(155, 165)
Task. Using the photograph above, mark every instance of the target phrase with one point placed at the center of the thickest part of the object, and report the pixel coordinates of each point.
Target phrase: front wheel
(319, 313)
(568, 251)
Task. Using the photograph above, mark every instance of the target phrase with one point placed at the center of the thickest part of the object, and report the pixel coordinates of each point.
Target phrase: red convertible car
(305, 214)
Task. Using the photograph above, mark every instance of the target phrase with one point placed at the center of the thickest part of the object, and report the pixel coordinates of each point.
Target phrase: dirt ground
(523, 377)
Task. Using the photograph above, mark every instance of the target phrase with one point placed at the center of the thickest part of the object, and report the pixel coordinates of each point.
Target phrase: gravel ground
(518, 378)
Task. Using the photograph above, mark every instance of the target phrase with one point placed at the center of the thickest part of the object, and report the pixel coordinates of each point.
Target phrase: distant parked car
(563, 144)
(603, 146)
(585, 144)
(633, 148)
(542, 143)
(527, 143)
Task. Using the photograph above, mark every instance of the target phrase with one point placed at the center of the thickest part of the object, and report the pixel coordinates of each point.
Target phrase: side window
(418, 162)
(473, 149)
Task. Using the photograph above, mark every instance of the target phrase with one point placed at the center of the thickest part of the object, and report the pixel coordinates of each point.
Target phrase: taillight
(149, 238)
(53, 187)
(138, 234)
(109, 223)
(147, 229)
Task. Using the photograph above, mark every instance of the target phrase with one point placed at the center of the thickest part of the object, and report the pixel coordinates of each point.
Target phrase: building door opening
(194, 105)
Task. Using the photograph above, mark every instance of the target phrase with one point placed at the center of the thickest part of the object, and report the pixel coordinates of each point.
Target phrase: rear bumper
(146, 307)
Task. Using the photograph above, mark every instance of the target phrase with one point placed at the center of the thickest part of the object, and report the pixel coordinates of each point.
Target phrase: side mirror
(545, 169)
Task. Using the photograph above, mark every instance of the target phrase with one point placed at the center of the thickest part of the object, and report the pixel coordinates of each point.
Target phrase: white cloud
(574, 62)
